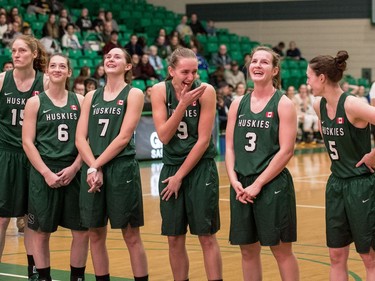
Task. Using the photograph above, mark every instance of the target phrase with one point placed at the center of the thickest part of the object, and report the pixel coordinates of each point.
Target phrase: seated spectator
(147, 93)
(161, 44)
(221, 58)
(51, 28)
(107, 31)
(217, 76)
(51, 45)
(210, 28)
(183, 28)
(202, 62)
(363, 94)
(3, 25)
(233, 76)
(156, 61)
(90, 84)
(39, 7)
(239, 90)
(222, 113)
(293, 52)
(13, 13)
(142, 41)
(79, 86)
(8, 65)
(279, 49)
(12, 33)
(136, 70)
(226, 92)
(109, 18)
(162, 32)
(112, 43)
(132, 47)
(147, 71)
(174, 44)
(306, 115)
(55, 6)
(98, 22)
(63, 24)
(196, 26)
(70, 39)
(349, 88)
(26, 30)
(99, 75)
(246, 62)
(65, 15)
(84, 22)
(84, 73)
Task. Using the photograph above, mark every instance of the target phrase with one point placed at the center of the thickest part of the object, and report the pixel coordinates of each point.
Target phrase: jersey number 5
(333, 151)
(252, 137)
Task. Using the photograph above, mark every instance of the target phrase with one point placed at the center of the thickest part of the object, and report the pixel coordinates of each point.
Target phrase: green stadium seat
(85, 62)
(151, 82)
(203, 75)
(140, 84)
(75, 54)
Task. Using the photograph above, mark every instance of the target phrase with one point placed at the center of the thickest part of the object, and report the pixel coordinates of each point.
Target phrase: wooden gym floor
(310, 170)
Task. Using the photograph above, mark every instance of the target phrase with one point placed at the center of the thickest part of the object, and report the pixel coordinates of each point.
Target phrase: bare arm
(166, 127)
(28, 140)
(229, 147)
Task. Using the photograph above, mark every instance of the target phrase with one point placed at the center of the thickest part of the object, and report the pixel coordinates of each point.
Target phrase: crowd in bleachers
(88, 30)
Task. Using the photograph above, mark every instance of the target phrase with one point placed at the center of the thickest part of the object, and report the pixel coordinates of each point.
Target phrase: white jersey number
(182, 131)
(252, 137)
(62, 132)
(333, 151)
(105, 123)
(17, 117)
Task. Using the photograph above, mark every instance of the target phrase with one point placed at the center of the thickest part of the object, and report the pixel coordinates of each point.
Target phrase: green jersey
(346, 144)
(56, 129)
(12, 105)
(105, 122)
(256, 136)
(186, 135)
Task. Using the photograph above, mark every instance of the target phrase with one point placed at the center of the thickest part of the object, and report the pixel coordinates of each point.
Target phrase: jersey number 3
(252, 138)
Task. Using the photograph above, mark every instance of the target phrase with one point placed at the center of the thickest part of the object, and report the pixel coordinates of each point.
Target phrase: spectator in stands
(132, 47)
(202, 62)
(8, 65)
(12, 14)
(55, 6)
(142, 41)
(246, 62)
(136, 70)
(51, 28)
(12, 33)
(217, 76)
(210, 28)
(221, 57)
(226, 91)
(363, 94)
(161, 44)
(349, 88)
(26, 30)
(99, 75)
(147, 71)
(3, 25)
(293, 52)
(196, 26)
(90, 84)
(174, 44)
(183, 28)
(70, 39)
(147, 93)
(79, 86)
(84, 73)
(39, 7)
(112, 43)
(98, 22)
(222, 113)
(84, 22)
(278, 49)
(306, 114)
(233, 76)
(239, 90)
(65, 15)
(107, 31)
(63, 24)
(161, 32)
(109, 18)
(156, 61)
(51, 45)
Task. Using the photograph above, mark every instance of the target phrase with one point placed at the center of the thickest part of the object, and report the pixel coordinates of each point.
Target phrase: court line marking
(18, 276)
